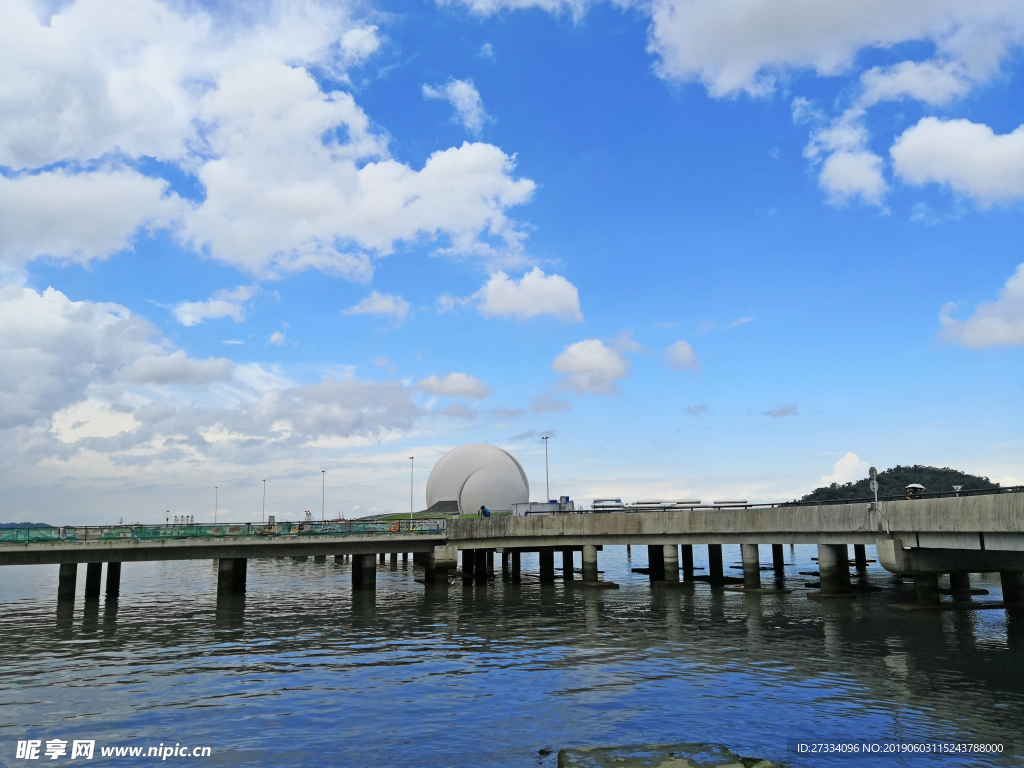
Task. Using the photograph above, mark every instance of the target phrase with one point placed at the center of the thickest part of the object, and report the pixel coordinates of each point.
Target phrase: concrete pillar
(860, 557)
(319, 558)
(490, 563)
(547, 565)
(93, 579)
(687, 553)
(394, 561)
(834, 568)
(405, 559)
(751, 566)
(506, 565)
(383, 558)
(589, 563)
(231, 575)
(926, 585)
(959, 582)
(629, 552)
(113, 580)
(436, 564)
(715, 574)
(1013, 586)
(364, 572)
(516, 578)
(480, 567)
(567, 565)
(670, 558)
(468, 565)
(66, 581)
(778, 559)
(656, 562)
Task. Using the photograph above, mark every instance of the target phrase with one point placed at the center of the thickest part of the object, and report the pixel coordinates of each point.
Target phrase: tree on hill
(893, 482)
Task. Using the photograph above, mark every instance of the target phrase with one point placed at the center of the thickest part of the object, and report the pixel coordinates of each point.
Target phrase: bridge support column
(468, 563)
(93, 579)
(514, 567)
(436, 564)
(394, 561)
(715, 574)
(383, 558)
(751, 566)
(1013, 586)
(567, 565)
(656, 562)
(66, 580)
(547, 565)
(860, 557)
(506, 565)
(834, 568)
(113, 580)
(778, 559)
(589, 563)
(364, 572)
(405, 559)
(687, 552)
(231, 575)
(480, 566)
(319, 558)
(926, 585)
(670, 560)
(959, 582)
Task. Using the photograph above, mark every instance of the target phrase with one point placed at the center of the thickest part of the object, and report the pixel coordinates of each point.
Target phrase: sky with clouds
(712, 248)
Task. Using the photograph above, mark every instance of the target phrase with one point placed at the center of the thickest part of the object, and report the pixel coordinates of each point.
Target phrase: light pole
(873, 485)
(412, 471)
(547, 482)
(323, 492)
(264, 501)
(215, 504)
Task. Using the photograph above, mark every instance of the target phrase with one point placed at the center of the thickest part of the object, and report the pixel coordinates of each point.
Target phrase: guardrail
(87, 533)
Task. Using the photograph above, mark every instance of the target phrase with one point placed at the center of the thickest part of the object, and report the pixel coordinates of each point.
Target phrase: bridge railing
(173, 531)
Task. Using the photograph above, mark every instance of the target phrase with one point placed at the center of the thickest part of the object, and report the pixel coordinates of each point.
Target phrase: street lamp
(873, 485)
(264, 501)
(547, 482)
(215, 504)
(412, 471)
(323, 492)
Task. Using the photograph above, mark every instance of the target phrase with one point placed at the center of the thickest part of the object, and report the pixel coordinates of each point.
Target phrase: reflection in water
(301, 670)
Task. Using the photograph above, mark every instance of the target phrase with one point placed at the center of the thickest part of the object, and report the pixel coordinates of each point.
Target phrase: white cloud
(175, 368)
(781, 411)
(681, 357)
(463, 95)
(968, 157)
(734, 46)
(79, 217)
(933, 82)
(533, 295)
(624, 342)
(848, 469)
(57, 351)
(590, 366)
(382, 305)
(223, 303)
(994, 323)
(456, 385)
(276, 339)
(847, 175)
(293, 177)
(575, 8)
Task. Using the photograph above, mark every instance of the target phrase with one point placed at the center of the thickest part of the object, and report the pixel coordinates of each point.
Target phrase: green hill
(893, 482)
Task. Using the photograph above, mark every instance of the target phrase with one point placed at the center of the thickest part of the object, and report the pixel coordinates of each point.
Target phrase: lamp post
(873, 485)
(323, 492)
(215, 504)
(412, 471)
(264, 501)
(547, 482)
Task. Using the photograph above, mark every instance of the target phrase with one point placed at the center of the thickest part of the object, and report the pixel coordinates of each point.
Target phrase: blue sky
(713, 249)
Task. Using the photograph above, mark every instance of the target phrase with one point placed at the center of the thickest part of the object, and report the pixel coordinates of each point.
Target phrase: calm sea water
(298, 673)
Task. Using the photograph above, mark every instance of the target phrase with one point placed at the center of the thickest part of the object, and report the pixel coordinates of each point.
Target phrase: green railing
(170, 532)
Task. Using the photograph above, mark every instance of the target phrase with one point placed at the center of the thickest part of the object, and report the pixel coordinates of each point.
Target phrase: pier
(920, 539)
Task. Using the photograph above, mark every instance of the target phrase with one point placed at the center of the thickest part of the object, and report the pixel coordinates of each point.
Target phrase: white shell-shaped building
(478, 475)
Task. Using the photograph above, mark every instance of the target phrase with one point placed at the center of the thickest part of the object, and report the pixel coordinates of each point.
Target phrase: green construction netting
(164, 532)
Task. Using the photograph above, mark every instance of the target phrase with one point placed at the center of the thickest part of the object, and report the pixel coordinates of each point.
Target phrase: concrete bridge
(919, 538)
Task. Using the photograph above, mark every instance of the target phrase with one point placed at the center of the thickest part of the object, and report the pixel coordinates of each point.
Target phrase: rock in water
(658, 756)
